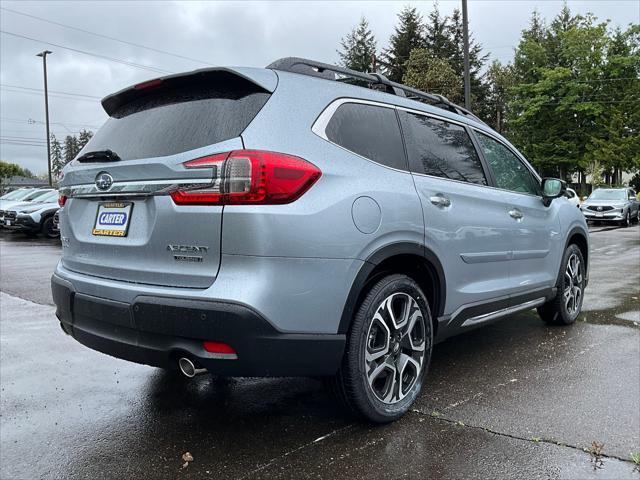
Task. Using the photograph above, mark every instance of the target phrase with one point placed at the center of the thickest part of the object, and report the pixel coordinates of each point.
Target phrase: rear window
(370, 131)
(178, 118)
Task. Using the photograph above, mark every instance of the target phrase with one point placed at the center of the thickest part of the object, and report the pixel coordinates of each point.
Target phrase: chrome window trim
(136, 188)
(460, 124)
(319, 127)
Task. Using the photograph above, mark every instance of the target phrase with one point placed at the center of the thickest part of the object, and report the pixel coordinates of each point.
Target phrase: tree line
(65, 151)
(569, 100)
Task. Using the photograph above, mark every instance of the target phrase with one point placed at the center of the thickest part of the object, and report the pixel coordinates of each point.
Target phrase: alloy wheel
(573, 285)
(395, 348)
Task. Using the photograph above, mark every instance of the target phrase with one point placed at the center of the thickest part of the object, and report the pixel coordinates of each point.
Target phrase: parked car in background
(31, 195)
(56, 222)
(16, 194)
(615, 205)
(573, 197)
(34, 217)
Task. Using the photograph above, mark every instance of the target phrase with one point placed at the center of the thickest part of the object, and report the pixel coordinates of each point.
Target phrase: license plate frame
(116, 228)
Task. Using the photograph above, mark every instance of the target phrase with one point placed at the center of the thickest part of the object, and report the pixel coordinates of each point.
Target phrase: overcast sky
(209, 33)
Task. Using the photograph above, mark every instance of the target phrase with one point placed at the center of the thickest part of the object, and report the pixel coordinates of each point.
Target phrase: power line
(104, 57)
(100, 35)
(51, 91)
(23, 144)
(30, 120)
(15, 137)
(581, 102)
(54, 95)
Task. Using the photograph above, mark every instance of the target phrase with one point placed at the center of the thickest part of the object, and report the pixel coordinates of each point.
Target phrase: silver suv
(305, 219)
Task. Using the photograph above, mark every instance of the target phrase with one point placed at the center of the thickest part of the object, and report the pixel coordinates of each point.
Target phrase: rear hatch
(119, 220)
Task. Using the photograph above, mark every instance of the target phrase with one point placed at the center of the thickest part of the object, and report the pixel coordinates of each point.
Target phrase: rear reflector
(250, 177)
(220, 350)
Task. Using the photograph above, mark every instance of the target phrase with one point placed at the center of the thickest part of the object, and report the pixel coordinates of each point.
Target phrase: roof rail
(333, 72)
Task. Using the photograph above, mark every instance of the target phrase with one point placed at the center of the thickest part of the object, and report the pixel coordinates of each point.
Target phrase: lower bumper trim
(159, 330)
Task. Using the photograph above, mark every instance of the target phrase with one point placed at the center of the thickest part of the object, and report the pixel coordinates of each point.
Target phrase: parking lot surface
(516, 399)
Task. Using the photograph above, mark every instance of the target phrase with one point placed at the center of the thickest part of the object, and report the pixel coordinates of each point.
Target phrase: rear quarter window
(370, 131)
(178, 118)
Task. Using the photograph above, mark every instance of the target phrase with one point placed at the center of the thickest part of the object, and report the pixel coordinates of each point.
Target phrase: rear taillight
(251, 177)
(62, 199)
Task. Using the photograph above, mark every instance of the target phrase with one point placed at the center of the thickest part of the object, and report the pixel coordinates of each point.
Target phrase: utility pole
(467, 78)
(46, 110)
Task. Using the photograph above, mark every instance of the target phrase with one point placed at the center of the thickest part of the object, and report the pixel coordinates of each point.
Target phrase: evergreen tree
(358, 48)
(567, 111)
(83, 138)
(479, 89)
(57, 157)
(436, 34)
(499, 79)
(70, 148)
(408, 35)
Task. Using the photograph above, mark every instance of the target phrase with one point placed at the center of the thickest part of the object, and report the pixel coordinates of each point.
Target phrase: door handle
(440, 200)
(515, 213)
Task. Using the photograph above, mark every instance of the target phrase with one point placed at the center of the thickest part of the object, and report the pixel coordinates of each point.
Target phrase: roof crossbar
(333, 72)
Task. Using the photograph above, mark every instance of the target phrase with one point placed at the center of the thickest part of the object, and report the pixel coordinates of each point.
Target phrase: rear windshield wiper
(100, 156)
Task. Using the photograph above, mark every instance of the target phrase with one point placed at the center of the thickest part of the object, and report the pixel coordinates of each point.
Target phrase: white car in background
(17, 197)
(573, 197)
(32, 195)
(34, 217)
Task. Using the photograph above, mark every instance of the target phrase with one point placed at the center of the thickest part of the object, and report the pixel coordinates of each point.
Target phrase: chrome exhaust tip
(188, 369)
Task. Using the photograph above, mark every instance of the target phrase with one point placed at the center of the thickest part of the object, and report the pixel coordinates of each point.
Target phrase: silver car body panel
(296, 263)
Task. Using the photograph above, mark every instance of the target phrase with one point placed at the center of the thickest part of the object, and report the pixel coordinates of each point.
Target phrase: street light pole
(467, 77)
(46, 111)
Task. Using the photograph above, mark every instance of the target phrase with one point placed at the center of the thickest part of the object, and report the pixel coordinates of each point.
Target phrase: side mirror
(552, 188)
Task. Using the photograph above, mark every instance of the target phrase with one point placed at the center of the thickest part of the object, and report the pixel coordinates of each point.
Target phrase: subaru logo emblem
(104, 181)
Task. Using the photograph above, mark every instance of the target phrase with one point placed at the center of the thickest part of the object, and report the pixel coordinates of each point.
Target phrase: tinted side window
(441, 149)
(370, 131)
(509, 171)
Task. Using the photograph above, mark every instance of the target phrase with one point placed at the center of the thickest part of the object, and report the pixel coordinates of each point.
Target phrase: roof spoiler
(266, 79)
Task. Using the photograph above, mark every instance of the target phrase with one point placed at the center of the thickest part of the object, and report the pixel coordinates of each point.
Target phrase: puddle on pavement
(622, 317)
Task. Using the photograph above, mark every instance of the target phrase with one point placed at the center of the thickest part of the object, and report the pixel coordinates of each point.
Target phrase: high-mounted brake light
(149, 84)
(251, 177)
(62, 199)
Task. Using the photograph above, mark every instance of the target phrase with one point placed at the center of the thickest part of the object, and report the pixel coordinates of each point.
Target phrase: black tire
(47, 228)
(627, 220)
(352, 385)
(560, 310)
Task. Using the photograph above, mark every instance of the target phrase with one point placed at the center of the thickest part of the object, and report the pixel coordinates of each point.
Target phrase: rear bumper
(159, 330)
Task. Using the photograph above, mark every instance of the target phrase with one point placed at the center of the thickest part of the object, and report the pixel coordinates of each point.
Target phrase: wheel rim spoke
(395, 347)
(377, 339)
(572, 293)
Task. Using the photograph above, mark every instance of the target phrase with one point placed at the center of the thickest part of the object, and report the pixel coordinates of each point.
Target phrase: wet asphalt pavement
(515, 399)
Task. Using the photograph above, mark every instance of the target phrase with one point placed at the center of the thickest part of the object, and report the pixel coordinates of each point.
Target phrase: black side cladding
(177, 114)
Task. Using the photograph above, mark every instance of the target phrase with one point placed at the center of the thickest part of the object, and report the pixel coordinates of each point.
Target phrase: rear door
(119, 221)
(464, 220)
(535, 228)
